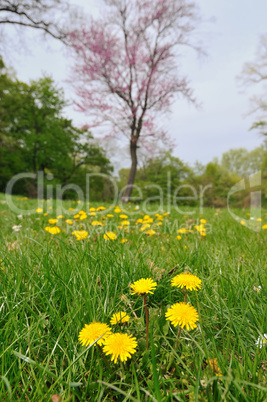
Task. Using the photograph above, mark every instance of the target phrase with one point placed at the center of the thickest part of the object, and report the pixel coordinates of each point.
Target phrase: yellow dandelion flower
(139, 221)
(200, 228)
(60, 216)
(143, 286)
(101, 208)
(124, 241)
(91, 332)
(53, 230)
(182, 230)
(178, 237)
(144, 227)
(187, 280)
(150, 232)
(119, 318)
(203, 221)
(117, 210)
(125, 223)
(69, 221)
(110, 236)
(71, 209)
(83, 216)
(96, 223)
(45, 214)
(80, 234)
(92, 209)
(120, 346)
(148, 220)
(123, 216)
(213, 363)
(182, 314)
(92, 214)
(110, 215)
(39, 210)
(52, 221)
(264, 226)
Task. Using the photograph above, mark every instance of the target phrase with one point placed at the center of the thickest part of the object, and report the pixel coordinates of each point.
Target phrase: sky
(229, 32)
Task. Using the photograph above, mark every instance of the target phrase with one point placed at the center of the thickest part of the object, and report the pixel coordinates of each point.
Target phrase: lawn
(53, 284)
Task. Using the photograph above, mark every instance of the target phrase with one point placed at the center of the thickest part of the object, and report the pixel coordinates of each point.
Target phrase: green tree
(35, 136)
(242, 162)
(160, 175)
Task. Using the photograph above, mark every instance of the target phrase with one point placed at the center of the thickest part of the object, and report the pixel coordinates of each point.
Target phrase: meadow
(53, 282)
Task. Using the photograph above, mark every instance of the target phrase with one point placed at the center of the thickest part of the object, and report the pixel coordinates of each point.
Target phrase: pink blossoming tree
(126, 69)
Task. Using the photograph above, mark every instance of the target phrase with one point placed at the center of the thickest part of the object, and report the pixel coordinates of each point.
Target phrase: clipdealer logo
(254, 182)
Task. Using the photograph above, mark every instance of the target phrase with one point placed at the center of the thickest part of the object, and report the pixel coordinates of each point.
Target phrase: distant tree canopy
(242, 162)
(166, 174)
(163, 173)
(35, 136)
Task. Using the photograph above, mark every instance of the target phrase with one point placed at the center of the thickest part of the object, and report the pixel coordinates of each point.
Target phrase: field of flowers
(118, 303)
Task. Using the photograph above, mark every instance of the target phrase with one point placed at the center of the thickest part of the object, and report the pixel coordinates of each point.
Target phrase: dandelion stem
(102, 354)
(185, 296)
(177, 339)
(147, 320)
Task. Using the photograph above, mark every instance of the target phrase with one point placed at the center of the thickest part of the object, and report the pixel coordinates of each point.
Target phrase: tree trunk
(129, 188)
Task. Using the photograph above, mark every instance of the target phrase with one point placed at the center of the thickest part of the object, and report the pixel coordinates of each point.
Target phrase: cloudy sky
(230, 34)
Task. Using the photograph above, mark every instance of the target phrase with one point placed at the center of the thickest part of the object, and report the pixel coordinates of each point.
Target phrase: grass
(52, 285)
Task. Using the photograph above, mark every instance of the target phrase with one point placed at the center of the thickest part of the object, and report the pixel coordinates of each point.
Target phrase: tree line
(36, 136)
(168, 175)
